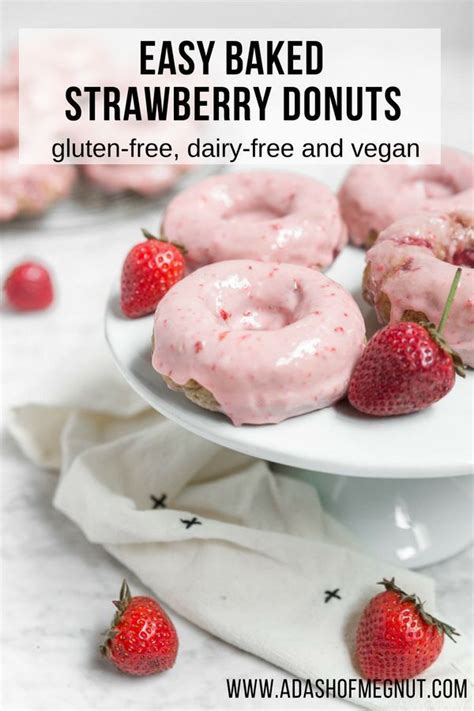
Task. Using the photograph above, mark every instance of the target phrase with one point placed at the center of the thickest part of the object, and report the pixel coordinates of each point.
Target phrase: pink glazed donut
(411, 267)
(258, 341)
(146, 180)
(374, 196)
(27, 190)
(269, 216)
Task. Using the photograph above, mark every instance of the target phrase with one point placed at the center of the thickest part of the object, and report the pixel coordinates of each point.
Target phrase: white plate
(435, 442)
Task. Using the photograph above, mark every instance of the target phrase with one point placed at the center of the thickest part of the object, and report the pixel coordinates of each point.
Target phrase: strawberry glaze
(413, 264)
(268, 340)
(269, 216)
(374, 196)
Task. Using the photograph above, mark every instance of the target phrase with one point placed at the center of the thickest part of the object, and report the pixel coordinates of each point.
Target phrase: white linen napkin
(247, 554)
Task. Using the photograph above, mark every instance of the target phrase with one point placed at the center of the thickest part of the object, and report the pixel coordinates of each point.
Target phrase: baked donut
(411, 267)
(374, 196)
(258, 341)
(146, 180)
(8, 119)
(27, 190)
(10, 72)
(269, 216)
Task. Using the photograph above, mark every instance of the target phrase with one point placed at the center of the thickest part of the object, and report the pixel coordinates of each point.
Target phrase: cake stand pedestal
(401, 485)
(410, 522)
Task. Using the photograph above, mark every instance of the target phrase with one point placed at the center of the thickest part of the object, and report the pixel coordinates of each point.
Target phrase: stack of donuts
(256, 330)
(418, 222)
(30, 190)
(24, 189)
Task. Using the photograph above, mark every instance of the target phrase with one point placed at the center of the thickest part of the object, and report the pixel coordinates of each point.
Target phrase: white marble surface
(56, 585)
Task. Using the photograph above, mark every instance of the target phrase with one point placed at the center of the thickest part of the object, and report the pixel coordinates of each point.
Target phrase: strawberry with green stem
(396, 638)
(141, 640)
(406, 366)
(150, 269)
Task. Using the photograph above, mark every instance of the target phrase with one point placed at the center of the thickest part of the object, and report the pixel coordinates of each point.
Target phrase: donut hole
(258, 208)
(434, 182)
(266, 318)
(460, 249)
(256, 316)
(257, 308)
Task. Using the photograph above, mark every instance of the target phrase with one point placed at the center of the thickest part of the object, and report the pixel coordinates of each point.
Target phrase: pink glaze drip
(415, 278)
(288, 344)
(374, 196)
(268, 216)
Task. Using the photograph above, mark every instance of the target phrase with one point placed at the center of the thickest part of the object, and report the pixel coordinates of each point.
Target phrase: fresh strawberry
(142, 639)
(406, 366)
(150, 269)
(396, 637)
(28, 287)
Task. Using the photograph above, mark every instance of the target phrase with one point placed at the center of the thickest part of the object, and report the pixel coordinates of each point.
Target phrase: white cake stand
(403, 484)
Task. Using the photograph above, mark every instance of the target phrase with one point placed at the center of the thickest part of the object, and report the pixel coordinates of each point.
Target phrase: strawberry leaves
(419, 607)
(148, 235)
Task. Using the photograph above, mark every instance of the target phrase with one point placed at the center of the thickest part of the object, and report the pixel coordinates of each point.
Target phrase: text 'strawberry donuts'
(374, 196)
(258, 341)
(411, 268)
(27, 190)
(269, 216)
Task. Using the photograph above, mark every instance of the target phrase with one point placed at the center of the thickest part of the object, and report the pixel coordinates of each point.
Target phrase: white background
(56, 586)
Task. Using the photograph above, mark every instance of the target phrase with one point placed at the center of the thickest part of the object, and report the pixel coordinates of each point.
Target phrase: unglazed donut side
(195, 392)
(382, 304)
